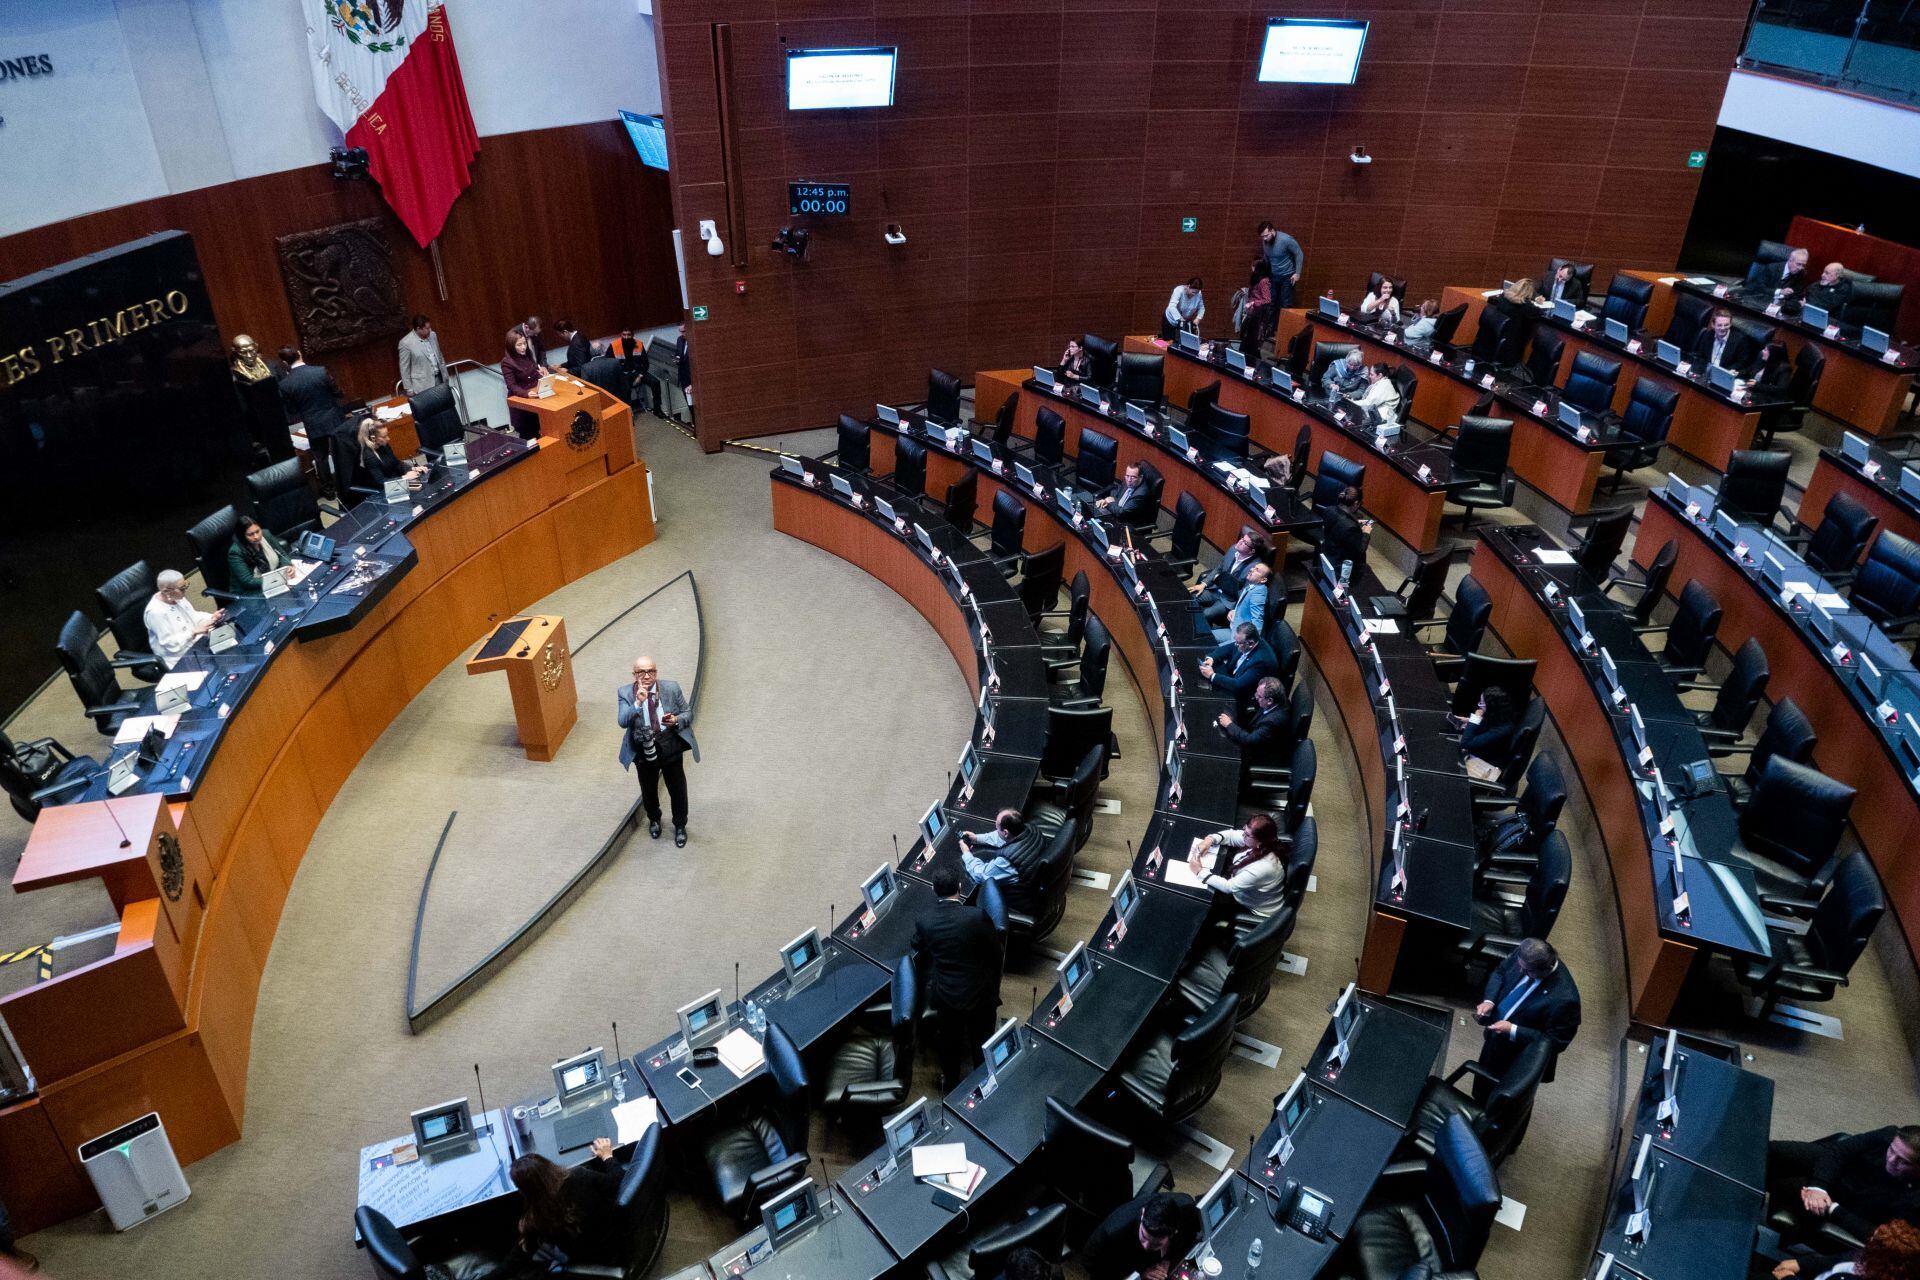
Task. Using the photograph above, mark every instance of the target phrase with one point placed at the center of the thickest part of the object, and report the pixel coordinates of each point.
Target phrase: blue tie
(1518, 994)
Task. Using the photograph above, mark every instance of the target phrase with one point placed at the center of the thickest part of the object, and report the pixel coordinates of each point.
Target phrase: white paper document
(187, 680)
(933, 1159)
(740, 1053)
(1178, 872)
(1552, 555)
(1382, 627)
(634, 1117)
(134, 728)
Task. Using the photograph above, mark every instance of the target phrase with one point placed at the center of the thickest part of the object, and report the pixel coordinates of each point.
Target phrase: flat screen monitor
(877, 889)
(1562, 309)
(704, 1021)
(1910, 482)
(1138, 416)
(887, 414)
(1237, 359)
(1074, 969)
(1667, 353)
(1177, 438)
(1312, 50)
(1719, 377)
(932, 823)
(905, 1128)
(982, 449)
(1189, 340)
(579, 1075)
(1002, 1048)
(824, 79)
(841, 485)
(1346, 1017)
(1288, 1113)
(1043, 375)
(1874, 340)
(649, 134)
(1570, 415)
(1282, 380)
(1815, 316)
(442, 1128)
(926, 539)
(1854, 448)
(790, 1213)
(1217, 1205)
(1617, 331)
(1126, 896)
(1329, 306)
(1640, 1219)
(803, 955)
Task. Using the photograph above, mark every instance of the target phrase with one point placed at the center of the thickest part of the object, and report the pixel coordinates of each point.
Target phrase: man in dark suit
(683, 368)
(1832, 291)
(1128, 499)
(579, 349)
(1566, 287)
(1144, 1237)
(1722, 344)
(657, 730)
(1856, 1181)
(1222, 586)
(1779, 281)
(957, 955)
(1344, 532)
(311, 396)
(1529, 996)
(1266, 739)
(1237, 666)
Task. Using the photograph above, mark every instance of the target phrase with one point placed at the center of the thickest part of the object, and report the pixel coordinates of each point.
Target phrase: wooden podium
(539, 668)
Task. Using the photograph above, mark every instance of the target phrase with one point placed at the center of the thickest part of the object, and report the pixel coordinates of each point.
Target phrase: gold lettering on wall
(18, 366)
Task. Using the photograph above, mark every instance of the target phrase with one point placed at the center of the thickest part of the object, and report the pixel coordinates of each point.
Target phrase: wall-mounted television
(822, 79)
(1312, 50)
(649, 134)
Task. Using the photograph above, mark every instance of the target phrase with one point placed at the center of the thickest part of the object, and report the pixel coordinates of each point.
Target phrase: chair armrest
(768, 1180)
(1273, 771)
(1159, 1178)
(129, 658)
(1019, 920)
(1446, 665)
(1650, 631)
(112, 708)
(1470, 1067)
(1403, 1169)
(45, 793)
(591, 1271)
(935, 1271)
(1789, 904)
(1078, 702)
(46, 744)
(1494, 876)
(1498, 945)
(876, 1091)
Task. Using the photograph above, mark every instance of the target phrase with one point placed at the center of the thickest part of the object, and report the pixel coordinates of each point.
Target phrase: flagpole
(439, 270)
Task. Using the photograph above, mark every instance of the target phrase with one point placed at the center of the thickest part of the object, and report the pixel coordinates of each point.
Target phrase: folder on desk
(938, 1159)
(1178, 872)
(740, 1053)
(134, 728)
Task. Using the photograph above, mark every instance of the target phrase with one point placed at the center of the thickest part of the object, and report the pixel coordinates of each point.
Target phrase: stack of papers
(1550, 555)
(1381, 626)
(740, 1053)
(134, 728)
(1178, 872)
(390, 413)
(945, 1165)
(186, 681)
(634, 1117)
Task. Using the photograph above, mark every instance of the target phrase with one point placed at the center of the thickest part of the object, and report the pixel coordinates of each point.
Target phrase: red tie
(653, 714)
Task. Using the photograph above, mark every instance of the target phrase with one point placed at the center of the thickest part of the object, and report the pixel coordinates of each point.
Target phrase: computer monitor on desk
(580, 1076)
(1236, 359)
(444, 1130)
(1874, 340)
(1289, 1112)
(786, 1216)
(902, 1130)
(1346, 1021)
(1282, 380)
(1562, 309)
(1000, 1050)
(1667, 1085)
(1074, 970)
(1043, 376)
(1910, 482)
(803, 959)
(1177, 438)
(705, 1021)
(1815, 316)
(932, 823)
(1720, 378)
(1617, 331)
(1189, 340)
(1329, 307)
(1667, 353)
(1217, 1205)
(1570, 415)
(887, 414)
(877, 890)
(1640, 1217)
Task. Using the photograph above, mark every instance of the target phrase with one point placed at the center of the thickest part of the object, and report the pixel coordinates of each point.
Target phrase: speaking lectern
(539, 671)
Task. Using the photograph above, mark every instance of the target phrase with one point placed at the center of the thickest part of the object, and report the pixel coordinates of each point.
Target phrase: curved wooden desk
(165, 1023)
(1835, 473)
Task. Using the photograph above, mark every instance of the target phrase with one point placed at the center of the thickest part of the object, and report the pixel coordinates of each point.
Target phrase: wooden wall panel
(133, 983)
(172, 1078)
(557, 221)
(1041, 162)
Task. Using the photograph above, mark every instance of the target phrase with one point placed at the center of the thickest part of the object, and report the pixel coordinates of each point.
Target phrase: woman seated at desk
(1013, 850)
(1256, 873)
(256, 551)
(1381, 307)
(1381, 395)
(1488, 734)
(1075, 363)
(571, 1216)
(375, 463)
(1420, 327)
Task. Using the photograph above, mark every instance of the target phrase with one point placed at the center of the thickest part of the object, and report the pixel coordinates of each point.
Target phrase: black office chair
(394, 1255)
(1646, 593)
(1142, 378)
(1324, 355)
(1082, 682)
(1508, 833)
(1302, 450)
(1887, 587)
(1186, 535)
(1420, 590)
(1300, 352)
(1542, 366)
(1071, 733)
(1049, 437)
(1755, 485)
(1200, 406)
(1643, 428)
(1042, 1230)
(1874, 305)
(1813, 966)
(1177, 1070)
(210, 540)
(1481, 480)
(909, 476)
(1039, 587)
(123, 602)
(1241, 966)
(1156, 485)
(1498, 341)
(1444, 1226)
(1772, 251)
(1283, 640)
(1071, 805)
(1446, 324)
(1788, 734)
(1228, 437)
(871, 1072)
(1287, 794)
(1058, 646)
(1008, 532)
(943, 396)
(1627, 301)
(640, 1215)
(1582, 271)
(1466, 626)
(854, 444)
(282, 499)
(1724, 724)
(436, 418)
(963, 495)
(42, 771)
(1497, 1108)
(1690, 315)
(1336, 473)
(1791, 829)
(1591, 383)
(1306, 850)
(1808, 367)
(1090, 1167)
(1103, 359)
(1498, 927)
(1690, 632)
(764, 1151)
(1606, 533)
(92, 673)
(1095, 465)
(1036, 904)
(1406, 384)
(1835, 546)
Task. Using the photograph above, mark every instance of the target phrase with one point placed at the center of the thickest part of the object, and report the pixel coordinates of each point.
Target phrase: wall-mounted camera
(349, 163)
(793, 242)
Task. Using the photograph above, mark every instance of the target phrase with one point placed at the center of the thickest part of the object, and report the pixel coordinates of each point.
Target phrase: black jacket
(1490, 740)
(1136, 509)
(592, 1194)
(579, 351)
(1739, 353)
(1851, 1167)
(1342, 539)
(1113, 1251)
(313, 397)
(1267, 737)
(1552, 1013)
(956, 955)
(1572, 291)
(1228, 580)
(1834, 297)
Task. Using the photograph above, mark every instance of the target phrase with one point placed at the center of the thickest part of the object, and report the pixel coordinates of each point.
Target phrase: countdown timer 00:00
(829, 198)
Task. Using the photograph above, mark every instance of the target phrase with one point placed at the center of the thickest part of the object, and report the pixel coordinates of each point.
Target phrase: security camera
(711, 234)
(894, 235)
(793, 242)
(349, 163)
(1360, 155)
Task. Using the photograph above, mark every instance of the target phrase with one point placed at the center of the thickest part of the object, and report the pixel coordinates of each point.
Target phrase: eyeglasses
(643, 671)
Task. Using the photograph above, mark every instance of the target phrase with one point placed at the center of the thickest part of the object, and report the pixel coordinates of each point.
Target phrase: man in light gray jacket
(656, 731)
(421, 365)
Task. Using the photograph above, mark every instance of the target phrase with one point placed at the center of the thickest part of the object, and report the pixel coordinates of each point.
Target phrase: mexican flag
(386, 73)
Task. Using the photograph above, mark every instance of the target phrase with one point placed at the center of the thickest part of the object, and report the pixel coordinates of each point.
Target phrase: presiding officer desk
(1840, 696)
(1525, 572)
(217, 828)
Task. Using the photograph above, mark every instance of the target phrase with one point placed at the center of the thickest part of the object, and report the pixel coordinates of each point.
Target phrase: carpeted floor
(829, 715)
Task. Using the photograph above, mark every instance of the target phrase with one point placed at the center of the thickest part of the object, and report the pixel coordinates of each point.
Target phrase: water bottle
(620, 1084)
(1253, 1255)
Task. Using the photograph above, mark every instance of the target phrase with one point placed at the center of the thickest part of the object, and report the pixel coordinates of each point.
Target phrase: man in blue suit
(1236, 666)
(656, 731)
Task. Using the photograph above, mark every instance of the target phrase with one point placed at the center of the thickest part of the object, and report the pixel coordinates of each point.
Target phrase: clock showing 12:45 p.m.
(826, 199)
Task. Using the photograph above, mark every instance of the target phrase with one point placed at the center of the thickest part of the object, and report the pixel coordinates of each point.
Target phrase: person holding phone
(657, 733)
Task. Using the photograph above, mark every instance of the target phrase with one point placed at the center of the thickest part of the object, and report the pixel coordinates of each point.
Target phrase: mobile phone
(947, 1201)
(687, 1078)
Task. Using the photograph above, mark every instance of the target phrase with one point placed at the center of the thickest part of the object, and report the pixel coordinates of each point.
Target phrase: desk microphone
(619, 1060)
(896, 848)
(493, 1132)
(126, 842)
(1036, 1001)
(736, 982)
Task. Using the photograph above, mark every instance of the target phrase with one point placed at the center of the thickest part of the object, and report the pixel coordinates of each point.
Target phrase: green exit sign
(699, 313)
(1696, 159)
(1189, 224)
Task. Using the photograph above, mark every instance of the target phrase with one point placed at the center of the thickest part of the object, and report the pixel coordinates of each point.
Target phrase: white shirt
(1186, 306)
(1388, 311)
(170, 628)
(1383, 393)
(1259, 887)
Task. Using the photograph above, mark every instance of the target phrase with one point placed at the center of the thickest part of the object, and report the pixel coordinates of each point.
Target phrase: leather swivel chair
(393, 1257)
(1175, 1072)
(1481, 480)
(1652, 587)
(1874, 305)
(640, 1214)
(1228, 437)
(1643, 428)
(1039, 588)
(1446, 324)
(763, 1151)
(282, 499)
(1421, 589)
(1498, 928)
(1096, 464)
(1007, 533)
(1103, 359)
(1042, 1230)
(1406, 384)
(1336, 473)
(1582, 271)
(1508, 834)
(1072, 732)
(1034, 908)
(1690, 632)
(1241, 967)
(123, 603)
(1445, 1225)
(1466, 626)
(1542, 366)
(210, 540)
(1302, 450)
(1200, 408)
(1887, 587)
(1142, 378)
(1591, 383)
(1285, 643)
(1791, 829)
(1156, 484)
(1374, 279)
(910, 470)
(1287, 792)
(943, 396)
(1606, 533)
(1062, 647)
(1090, 1167)
(1627, 301)
(1724, 724)
(1808, 368)
(1072, 805)
(1690, 316)
(1186, 535)
(92, 674)
(1497, 1108)
(1813, 966)
(39, 772)
(963, 495)
(853, 447)
(1498, 340)
(1306, 851)
(1090, 669)
(1755, 485)
(1835, 546)
(1049, 437)
(1788, 734)
(1324, 356)
(871, 1072)
(436, 417)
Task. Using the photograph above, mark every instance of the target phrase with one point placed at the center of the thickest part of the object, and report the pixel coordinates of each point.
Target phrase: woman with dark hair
(1772, 369)
(570, 1215)
(1075, 363)
(1256, 871)
(1256, 310)
(521, 369)
(255, 550)
(1488, 734)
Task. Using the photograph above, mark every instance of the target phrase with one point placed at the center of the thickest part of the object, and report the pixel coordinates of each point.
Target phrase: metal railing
(1870, 47)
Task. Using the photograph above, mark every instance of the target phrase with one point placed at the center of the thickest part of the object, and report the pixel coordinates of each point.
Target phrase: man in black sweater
(957, 957)
(1854, 1181)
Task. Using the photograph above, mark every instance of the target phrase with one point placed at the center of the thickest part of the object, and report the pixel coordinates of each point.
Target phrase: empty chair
(943, 396)
(1103, 359)
(909, 468)
(1542, 368)
(436, 418)
(1887, 587)
(1200, 406)
(1072, 803)
(1874, 305)
(1042, 1230)
(1499, 927)
(1285, 643)
(41, 772)
(1007, 540)
(1788, 734)
(854, 448)
(1813, 966)
(1480, 450)
(1091, 682)
(282, 499)
(210, 540)
(962, 496)
(1835, 546)
(1300, 351)
(1652, 587)
(1447, 324)
(1049, 437)
(1690, 315)
(1643, 428)
(1498, 340)
(1497, 1107)
(1095, 464)
(395, 1256)
(1173, 1074)
(1444, 1226)
(1241, 967)
(1142, 378)
(1040, 582)
(1406, 383)
(1755, 484)
(1071, 733)
(1186, 535)
(1793, 823)
(123, 603)
(1627, 300)
(1089, 1167)
(1062, 647)
(1606, 533)
(764, 1150)
(1591, 383)
(871, 1072)
(92, 675)
(1228, 436)
(1421, 589)
(1738, 697)
(1690, 632)
(1466, 624)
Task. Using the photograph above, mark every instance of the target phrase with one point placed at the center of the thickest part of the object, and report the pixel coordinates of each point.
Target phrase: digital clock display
(824, 198)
